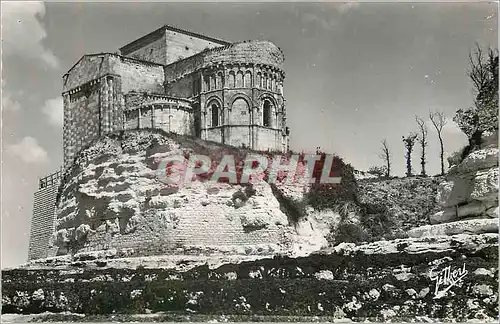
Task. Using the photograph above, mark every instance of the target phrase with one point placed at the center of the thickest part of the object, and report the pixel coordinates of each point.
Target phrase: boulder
(454, 192)
(479, 160)
(473, 226)
(490, 140)
(471, 209)
(485, 185)
(492, 212)
(449, 214)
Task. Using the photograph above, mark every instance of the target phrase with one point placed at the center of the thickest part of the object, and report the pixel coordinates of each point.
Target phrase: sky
(356, 73)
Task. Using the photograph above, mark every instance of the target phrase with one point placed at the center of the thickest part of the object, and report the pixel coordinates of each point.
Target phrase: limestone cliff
(111, 199)
(468, 195)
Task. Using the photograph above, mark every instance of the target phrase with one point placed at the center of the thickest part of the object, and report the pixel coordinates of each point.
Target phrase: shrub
(379, 171)
(458, 156)
(483, 117)
(330, 196)
(350, 233)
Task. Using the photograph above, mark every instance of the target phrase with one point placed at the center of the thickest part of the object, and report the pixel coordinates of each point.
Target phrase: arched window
(248, 79)
(215, 114)
(240, 112)
(213, 84)
(267, 114)
(273, 84)
(240, 115)
(231, 79)
(258, 82)
(239, 79)
(219, 80)
(207, 83)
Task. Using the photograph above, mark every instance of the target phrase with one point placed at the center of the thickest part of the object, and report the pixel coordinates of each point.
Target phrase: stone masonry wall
(153, 50)
(81, 120)
(268, 139)
(93, 97)
(42, 223)
(112, 199)
(167, 45)
(180, 45)
(251, 52)
(159, 111)
(138, 76)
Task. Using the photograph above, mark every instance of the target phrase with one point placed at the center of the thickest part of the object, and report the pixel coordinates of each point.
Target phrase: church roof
(130, 46)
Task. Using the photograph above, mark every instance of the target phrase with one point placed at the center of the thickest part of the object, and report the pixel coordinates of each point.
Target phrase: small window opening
(215, 115)
(267, 113)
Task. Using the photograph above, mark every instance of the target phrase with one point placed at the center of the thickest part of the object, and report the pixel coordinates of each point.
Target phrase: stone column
(67, 140)
(139, 110)
(111, 106)
(153, 116)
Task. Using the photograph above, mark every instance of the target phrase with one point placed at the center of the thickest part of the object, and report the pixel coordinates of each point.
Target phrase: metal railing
(50, 180)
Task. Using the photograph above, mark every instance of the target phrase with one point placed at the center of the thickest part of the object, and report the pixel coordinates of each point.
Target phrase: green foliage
(409, 142)
(350, 233)
(458, 156)
(374, 224)
(483, 117)
(330, 196)
(379, 171)
(386, 209)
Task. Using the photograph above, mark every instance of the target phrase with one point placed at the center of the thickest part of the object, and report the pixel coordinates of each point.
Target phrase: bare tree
(479, 72)
(385, 155)
(438, 119)
(422, 139)
(409, 143)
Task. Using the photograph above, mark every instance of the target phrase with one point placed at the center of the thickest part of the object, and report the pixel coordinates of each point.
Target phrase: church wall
(138, 76)
(182, 88)
(152, 50)
(82, 123)
(180, 46)
(90, 67)
(159, 111)
(267, 139)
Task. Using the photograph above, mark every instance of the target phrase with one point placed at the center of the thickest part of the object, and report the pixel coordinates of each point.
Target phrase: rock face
(468, 195)
(471, 187)
(473, 226)
(112, 199)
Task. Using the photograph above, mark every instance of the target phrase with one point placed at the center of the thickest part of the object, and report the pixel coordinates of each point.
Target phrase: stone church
(181, 82)
(175, 80)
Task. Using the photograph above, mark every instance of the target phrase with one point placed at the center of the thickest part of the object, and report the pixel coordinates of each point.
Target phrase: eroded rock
(473, 226)
(485, 186)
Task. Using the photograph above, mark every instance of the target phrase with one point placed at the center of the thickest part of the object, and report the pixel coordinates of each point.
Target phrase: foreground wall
(42, 222)
(381, 281)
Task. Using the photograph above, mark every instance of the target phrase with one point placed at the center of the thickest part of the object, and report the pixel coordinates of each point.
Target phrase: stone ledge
(474, 226)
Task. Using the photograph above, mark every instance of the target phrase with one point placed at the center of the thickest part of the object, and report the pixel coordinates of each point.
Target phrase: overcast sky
(355, 74)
